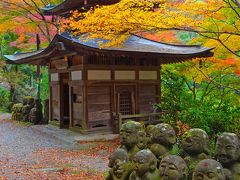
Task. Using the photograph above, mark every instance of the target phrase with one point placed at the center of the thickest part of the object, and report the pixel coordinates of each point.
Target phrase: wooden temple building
(89, 86)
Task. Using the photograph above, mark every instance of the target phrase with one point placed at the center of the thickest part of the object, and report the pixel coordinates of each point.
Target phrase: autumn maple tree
(214, 20)
(20, 21)
(26, 18)
(214, 23)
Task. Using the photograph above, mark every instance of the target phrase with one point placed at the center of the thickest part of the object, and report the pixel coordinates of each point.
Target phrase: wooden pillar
(39, 81)
(38, 69)
(159, 86)
(50, 93)
(70, 101)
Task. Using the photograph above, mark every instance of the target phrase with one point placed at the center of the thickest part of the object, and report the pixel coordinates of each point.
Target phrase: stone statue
(173, 167)
(145, 166)
(228, 153)
(149, 129)
(163, 139)
(208, 169)
(195, 143)
(28, 104)
(33, 115)
(119, 164)
(36, 113)
(196, 146)
(17, 112)
(129, 137)
(142, 140)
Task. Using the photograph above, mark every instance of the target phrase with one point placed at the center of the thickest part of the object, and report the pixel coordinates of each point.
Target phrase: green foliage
(176, 150)
(44, 84)
(5, 40)
(210, 105)
(4, 99)
(21, 79)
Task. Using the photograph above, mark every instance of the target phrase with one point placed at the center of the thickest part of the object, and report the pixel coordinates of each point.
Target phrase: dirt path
(27, 153)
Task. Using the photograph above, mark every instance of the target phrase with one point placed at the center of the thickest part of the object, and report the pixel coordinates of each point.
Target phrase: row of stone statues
(145, 154)
(30, 111)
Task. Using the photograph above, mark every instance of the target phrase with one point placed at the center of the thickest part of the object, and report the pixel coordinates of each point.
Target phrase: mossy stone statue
(120, 165)
(17, 112)
(228, 153)
(163, 139)
(149, 133)
(33, 115)
(145, 166)
(195, 142)
(142, 140)
(208, 169)
(28, 104)
(196, 147)
(28, 100)
(173, 167)
(129, 138)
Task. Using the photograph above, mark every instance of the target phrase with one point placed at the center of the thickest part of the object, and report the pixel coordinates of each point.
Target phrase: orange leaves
(107, 146)
(211, 18)
(163, 37)
(182, 128)
(88, 162)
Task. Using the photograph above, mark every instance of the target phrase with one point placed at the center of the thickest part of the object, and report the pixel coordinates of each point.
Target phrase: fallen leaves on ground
(89, 162)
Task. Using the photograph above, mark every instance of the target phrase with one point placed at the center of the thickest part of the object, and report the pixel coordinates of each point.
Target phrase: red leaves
(88, 161)
(99, 147)
(182, 128)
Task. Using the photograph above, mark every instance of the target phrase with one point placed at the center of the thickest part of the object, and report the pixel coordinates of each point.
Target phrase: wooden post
(39, 104)
(38, 69)
(119, 122)
(39, 81)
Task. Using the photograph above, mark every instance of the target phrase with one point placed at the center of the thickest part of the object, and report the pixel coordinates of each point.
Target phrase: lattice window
(125, 103)
(148, 62)
(124, 60)
(99, 59)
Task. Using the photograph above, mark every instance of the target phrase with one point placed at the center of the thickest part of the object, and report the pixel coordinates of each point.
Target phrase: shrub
(4, 98)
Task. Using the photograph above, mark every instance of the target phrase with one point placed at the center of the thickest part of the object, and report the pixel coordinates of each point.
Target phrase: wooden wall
(99, 107)
(77, 106)
(148, 96)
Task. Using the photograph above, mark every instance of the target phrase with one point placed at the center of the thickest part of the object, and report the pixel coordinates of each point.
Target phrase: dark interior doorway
(65, 120)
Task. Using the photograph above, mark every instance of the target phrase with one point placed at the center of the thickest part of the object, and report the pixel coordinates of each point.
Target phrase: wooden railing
(123, 118)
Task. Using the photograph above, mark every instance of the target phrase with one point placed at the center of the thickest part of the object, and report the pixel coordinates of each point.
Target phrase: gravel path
(26, 153)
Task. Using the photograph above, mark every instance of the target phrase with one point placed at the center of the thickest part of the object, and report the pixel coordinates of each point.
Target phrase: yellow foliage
(213, 19)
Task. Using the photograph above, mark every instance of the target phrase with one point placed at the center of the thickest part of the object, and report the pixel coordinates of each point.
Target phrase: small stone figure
(163, 139)
(33, 115)
(173, 167)
(17, 112)
(26, 112)
(196, 146)
(142, 140)
(149, 134)
(228, 153)
(119, 164)
(195, 143)
(36, 113)
(208, 169)
(145, 166)
(129, 137)
(27, 106)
